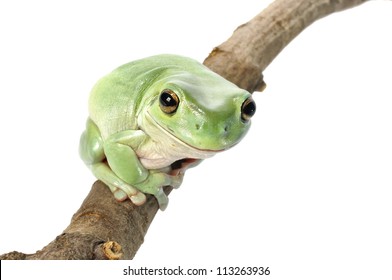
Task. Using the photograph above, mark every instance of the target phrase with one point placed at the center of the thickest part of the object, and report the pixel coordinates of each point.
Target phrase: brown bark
(105, 229)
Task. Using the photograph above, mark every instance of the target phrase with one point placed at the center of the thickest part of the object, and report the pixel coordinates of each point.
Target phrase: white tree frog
(151, 119)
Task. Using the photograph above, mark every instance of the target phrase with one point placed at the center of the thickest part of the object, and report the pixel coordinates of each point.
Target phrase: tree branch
(105, 229)
(255, 44)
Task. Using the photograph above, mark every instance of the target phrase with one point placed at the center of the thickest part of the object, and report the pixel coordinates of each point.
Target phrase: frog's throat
(207, 152)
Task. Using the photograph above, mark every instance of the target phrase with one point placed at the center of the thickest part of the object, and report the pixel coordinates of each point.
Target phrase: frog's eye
(168, 101)
(248, 109)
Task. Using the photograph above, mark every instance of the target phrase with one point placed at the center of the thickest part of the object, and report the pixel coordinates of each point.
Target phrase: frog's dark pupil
(167, 99)
(250, 109)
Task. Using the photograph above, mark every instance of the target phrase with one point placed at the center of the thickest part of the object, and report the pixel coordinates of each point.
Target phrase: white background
(307, 192)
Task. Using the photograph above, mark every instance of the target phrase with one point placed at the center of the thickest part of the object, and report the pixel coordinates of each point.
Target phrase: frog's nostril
(197, 126)
(225, 132)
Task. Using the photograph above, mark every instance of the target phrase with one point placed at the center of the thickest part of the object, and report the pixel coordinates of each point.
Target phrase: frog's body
(151, 119)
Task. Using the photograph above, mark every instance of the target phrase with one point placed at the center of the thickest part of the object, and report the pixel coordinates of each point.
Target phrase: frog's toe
(138, 199)
(120, 195)
(162, 198)
(177, 181)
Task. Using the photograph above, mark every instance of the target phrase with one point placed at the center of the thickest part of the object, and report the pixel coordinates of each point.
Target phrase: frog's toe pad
(162, 199)
(120, 195)
(138, 199)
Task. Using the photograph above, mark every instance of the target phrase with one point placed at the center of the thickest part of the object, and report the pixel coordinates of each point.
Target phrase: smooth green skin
(130, 143)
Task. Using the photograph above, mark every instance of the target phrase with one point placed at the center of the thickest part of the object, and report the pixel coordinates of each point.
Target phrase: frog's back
(115, 99)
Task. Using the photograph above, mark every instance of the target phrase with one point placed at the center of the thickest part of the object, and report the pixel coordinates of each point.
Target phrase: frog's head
(201, 109)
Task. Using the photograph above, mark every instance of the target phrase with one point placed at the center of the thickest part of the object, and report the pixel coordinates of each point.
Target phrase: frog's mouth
(151, 122)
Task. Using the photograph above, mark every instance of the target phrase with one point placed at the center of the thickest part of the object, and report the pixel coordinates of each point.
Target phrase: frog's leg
(120, 189)
(92, 153)
(124, 162)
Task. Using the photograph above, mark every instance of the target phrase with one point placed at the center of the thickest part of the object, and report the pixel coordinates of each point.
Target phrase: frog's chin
(151, 121)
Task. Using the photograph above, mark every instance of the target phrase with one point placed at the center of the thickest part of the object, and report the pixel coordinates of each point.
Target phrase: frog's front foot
(120, 189)
(155, 182)
(140, 198)
(137, 198)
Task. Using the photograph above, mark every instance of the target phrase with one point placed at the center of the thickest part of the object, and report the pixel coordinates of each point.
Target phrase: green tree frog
(153, 118)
